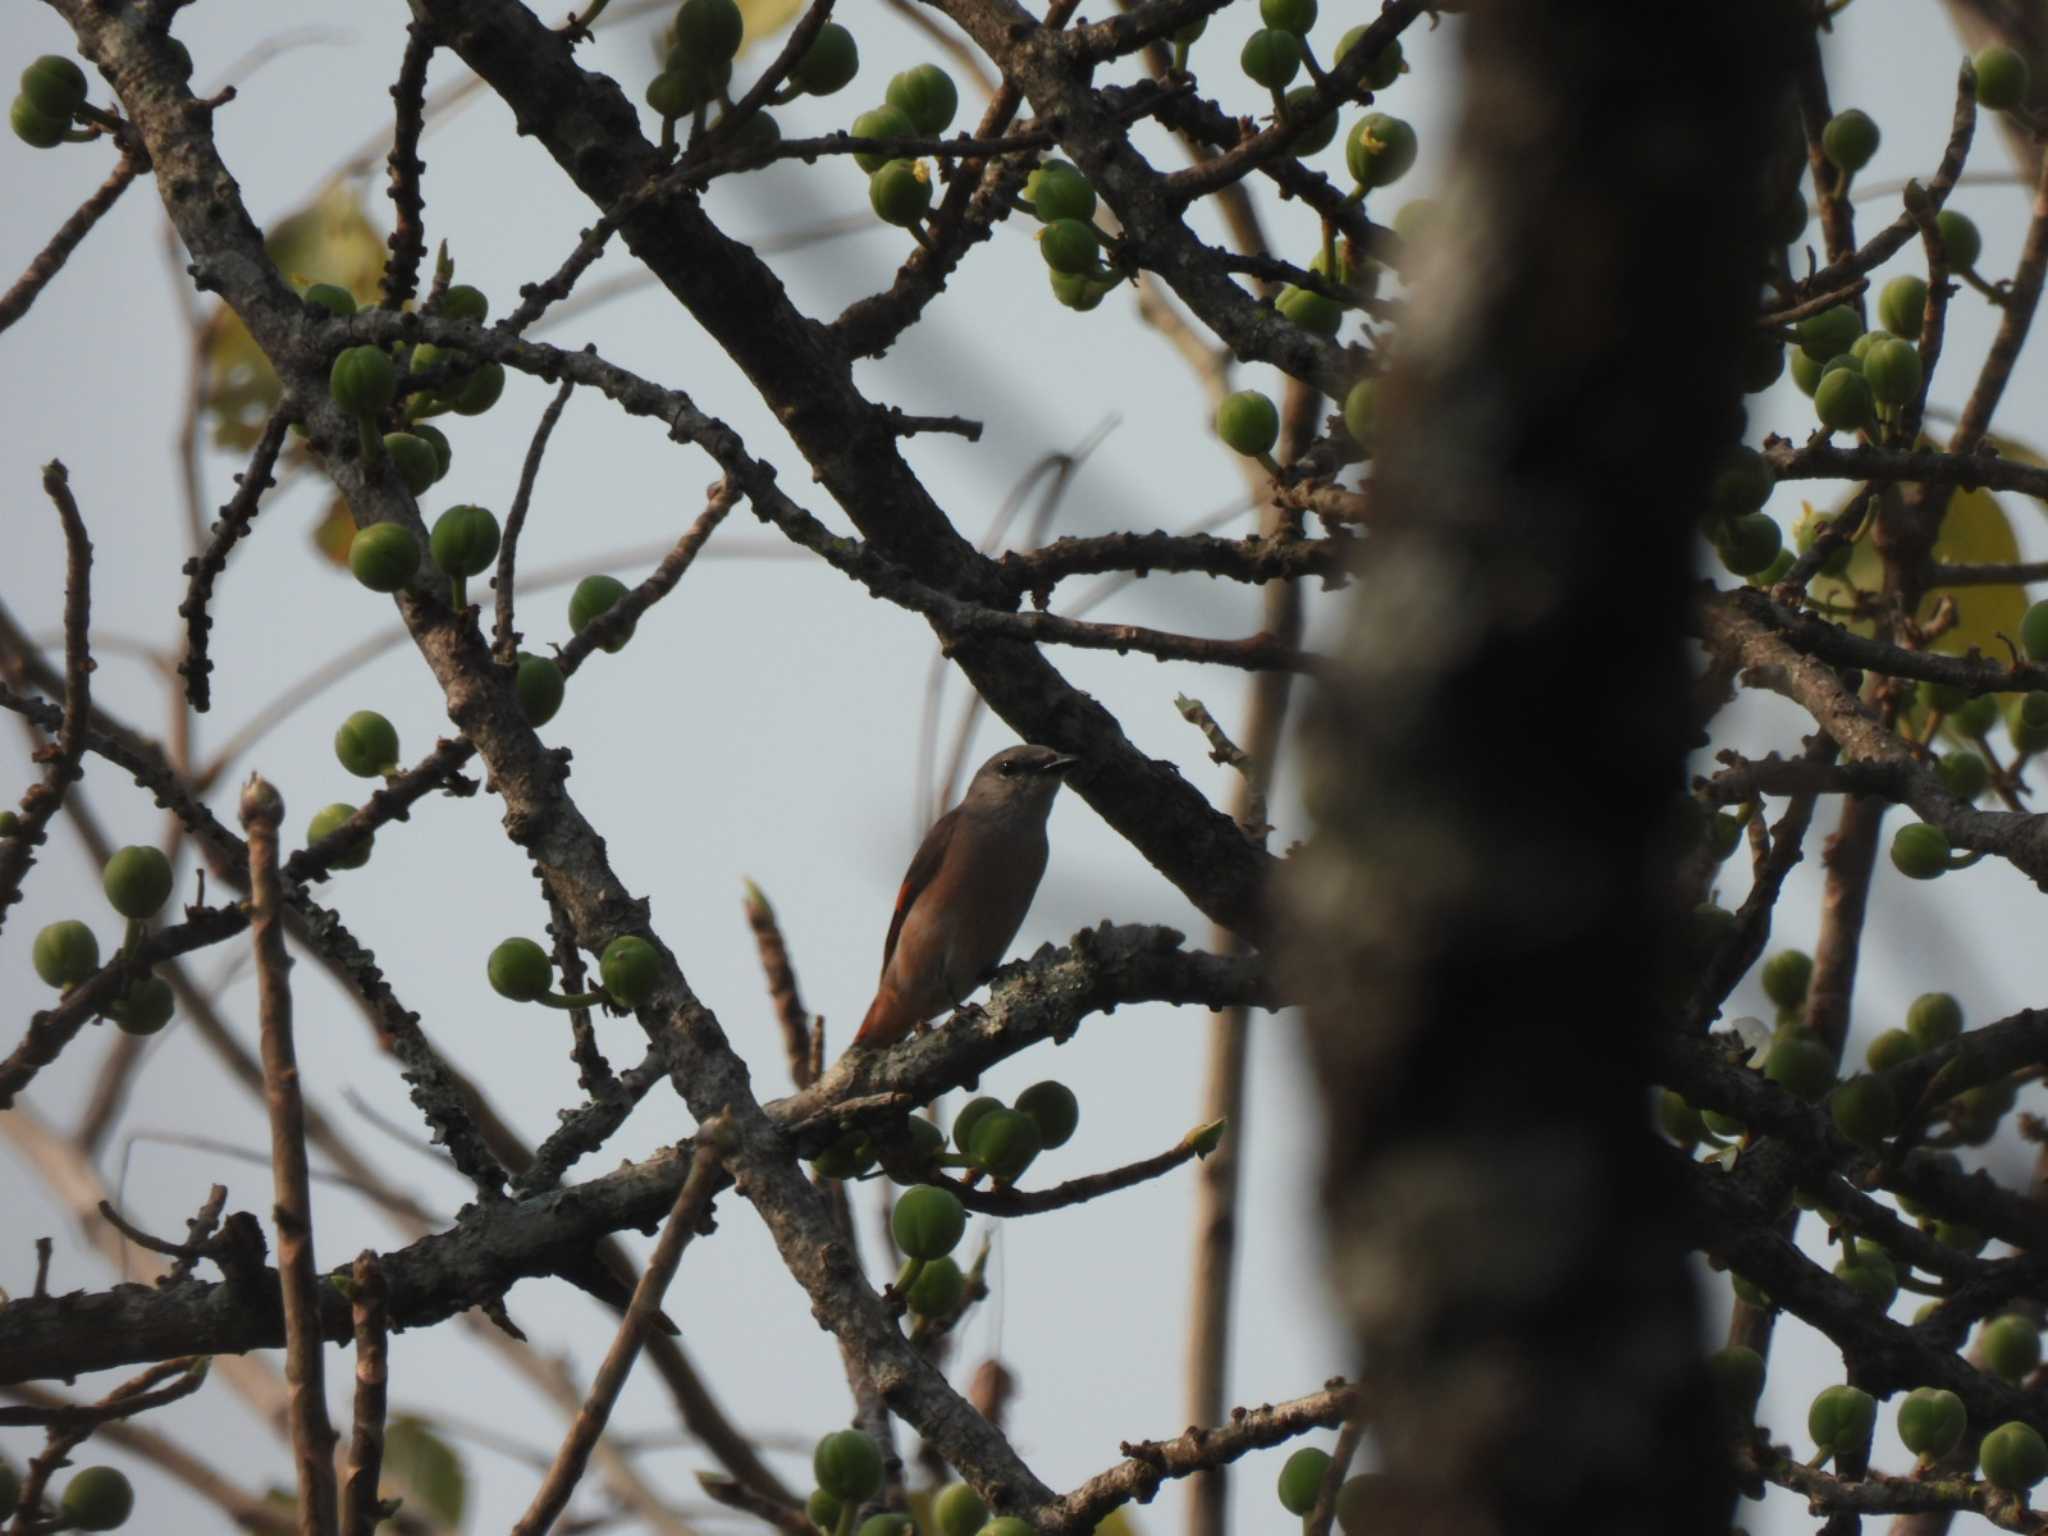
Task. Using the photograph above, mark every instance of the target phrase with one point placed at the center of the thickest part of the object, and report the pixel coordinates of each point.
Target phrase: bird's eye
(1008, 770)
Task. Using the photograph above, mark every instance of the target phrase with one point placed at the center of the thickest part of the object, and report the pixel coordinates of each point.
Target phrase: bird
(966, 892)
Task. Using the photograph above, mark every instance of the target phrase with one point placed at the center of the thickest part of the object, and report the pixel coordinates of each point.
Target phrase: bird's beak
(1059, 766)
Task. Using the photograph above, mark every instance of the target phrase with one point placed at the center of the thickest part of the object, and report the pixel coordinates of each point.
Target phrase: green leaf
(425, 1469)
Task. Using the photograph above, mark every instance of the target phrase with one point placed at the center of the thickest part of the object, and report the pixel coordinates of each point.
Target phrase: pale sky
(763, 724)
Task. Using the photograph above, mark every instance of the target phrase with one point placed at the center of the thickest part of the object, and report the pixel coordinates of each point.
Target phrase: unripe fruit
(1385, 68)
(414, 458)
(1004, 1143)
(852, 1155)
(1359, 1502)
(1271, 58)
(958, 1510)
(823, 1510)
(887, 1523)
(630, 968)
(1248, 422)
(367, 744)
(1763, 361)
(927, 96)
(10, 824)
(55, 86)
(1865, 1111)
(709, 29)
(1054, 1107)
(1679, 1120)
(1843, 402)
(1081, 291)
(1749, 544)
(1748, 1292)
(1954, 1234)
(1934, 1018)
(1892, 369)
(970, 1114)
(383, 556)
(1295, 16)
(540, 686)
(1070, 246)
(1920, 851)
(1965, 773)
(1893, 1047)
(1311, 311)
(1738, 1376)
(1801, 1064)
(928, 1222)
(2013, 1457)
(479, 392)
(1850, 139)
(927, 1141)
(1742, 484)
(437, 440)
(33, 128)
(1007, 1525)
(1806, 370)
(137, 881)
(331, 297)
(1902, 305)
(1724, 832)
(1841, 1420)
(2034, 632)
(65, 953)
(99, 1499)
(2011, 1347)
(884, 122)
(677, 92)
(830, 63)
(1868, 1270)
(464, 541)
(1380, 150)
(1301, 1479)
(330, 819)
(520, 969)
(1057, 191)
(2001, 78)
(1974, 717)
(1959, 238)
(464, 302)
(848, 1465)
(363, 382)
(937, 1290)
(596, 595)
(900, 192)
(1931, 1422)
(1829, 333)
(1786, 976)
(1315, 135)
(1359, 410)
(146, 1008)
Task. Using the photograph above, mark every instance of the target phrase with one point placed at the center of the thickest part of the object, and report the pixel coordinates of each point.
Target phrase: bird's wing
(922, 869)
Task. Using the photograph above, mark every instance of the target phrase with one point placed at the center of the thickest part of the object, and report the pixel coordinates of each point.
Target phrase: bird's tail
(885, 1023)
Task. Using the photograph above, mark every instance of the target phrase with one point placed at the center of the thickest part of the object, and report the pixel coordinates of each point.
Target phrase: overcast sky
(763, 724)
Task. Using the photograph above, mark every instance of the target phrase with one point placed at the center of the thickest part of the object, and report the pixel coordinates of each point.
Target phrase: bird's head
(1022, 777)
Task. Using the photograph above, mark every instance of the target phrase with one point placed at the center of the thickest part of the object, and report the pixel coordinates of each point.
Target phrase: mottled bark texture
(1481, 916)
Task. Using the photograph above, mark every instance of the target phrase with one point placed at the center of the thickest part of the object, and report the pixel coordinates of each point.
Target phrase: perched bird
(967, 892)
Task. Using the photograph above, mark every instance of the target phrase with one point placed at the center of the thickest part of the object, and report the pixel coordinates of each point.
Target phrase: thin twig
(42, 802)
(692, 1204)
(408, 238)
(205, 566)
(299, 1279)
(1020, 1202)
(49, 261)
(505, 639)
(781, 978)
(359, 1502)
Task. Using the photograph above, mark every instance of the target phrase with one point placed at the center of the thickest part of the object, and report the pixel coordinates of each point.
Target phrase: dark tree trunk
(1482, 917)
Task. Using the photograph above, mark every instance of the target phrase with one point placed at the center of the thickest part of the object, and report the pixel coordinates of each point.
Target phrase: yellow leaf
(765, 18)
(331, 240)
(1974, 531)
